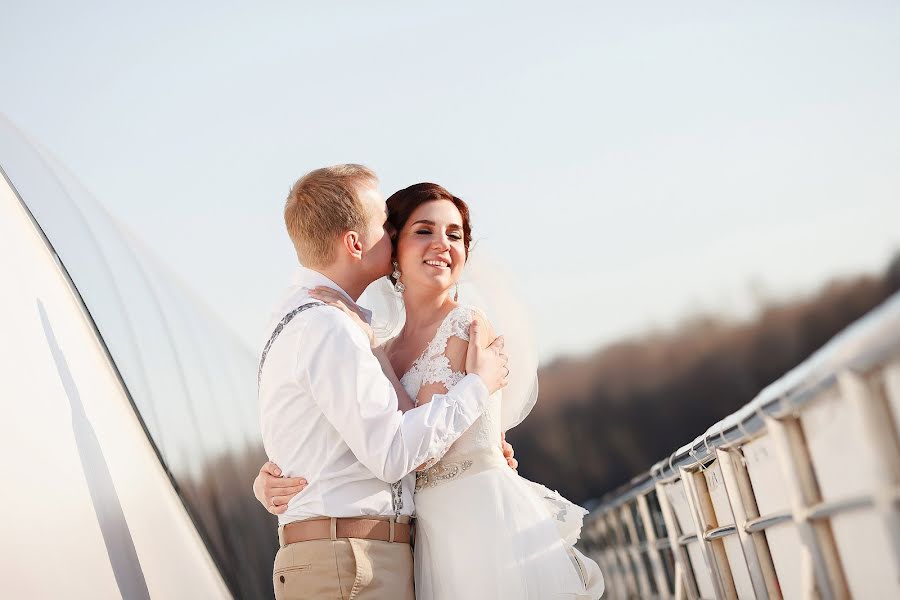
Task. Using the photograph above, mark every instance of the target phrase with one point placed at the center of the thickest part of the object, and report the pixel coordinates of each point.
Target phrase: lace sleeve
(458, 323)
(444, 366)
(440, 367)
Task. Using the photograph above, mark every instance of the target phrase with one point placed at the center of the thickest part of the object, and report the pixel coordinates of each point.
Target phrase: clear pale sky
(628, 163)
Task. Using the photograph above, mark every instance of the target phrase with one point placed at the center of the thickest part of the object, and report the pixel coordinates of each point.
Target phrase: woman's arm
(456, 354)
(404, 402)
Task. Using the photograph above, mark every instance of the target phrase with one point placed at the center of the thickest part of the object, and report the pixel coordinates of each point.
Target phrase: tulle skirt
(492, 534)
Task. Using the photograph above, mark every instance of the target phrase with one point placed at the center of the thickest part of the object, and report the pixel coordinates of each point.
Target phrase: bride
(482, 531)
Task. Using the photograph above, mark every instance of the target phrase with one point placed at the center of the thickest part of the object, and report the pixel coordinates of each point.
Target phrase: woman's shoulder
(462, 316)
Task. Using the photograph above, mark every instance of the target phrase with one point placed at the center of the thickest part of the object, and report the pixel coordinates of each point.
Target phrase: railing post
(684, 574)
(705, 519)
(628, 575)
(642, 574)
(825, 459)
(652, 551)
(606, 554)
(800, 480)
(872, 406)
(744, 508)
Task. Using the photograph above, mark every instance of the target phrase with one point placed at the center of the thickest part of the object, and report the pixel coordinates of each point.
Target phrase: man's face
(377, 252)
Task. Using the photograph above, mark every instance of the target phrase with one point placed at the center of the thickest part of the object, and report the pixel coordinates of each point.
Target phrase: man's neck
(346, 280)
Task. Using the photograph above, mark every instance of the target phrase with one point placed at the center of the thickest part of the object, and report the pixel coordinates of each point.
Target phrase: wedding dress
(482, 531)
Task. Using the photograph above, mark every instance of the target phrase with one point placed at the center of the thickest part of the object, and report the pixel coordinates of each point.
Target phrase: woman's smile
(439, 263)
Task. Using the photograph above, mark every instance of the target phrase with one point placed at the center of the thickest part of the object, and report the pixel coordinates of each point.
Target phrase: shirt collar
(308, 278)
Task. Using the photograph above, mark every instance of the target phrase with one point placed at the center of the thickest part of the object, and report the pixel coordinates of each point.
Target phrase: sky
(627, 164)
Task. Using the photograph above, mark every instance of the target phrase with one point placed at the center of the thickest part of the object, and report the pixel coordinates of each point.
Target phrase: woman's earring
(398, 286)
(456, 295)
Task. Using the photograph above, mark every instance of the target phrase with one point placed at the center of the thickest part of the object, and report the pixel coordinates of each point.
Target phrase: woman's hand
(508, 452)
(274, 491)
(336, 299)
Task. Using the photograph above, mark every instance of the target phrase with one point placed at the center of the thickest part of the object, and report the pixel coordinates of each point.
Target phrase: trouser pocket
(314, 569)
(383, 570)
(289, 582)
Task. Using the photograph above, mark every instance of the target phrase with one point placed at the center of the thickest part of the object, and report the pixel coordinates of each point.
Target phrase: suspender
(396, 489)
(278, 329)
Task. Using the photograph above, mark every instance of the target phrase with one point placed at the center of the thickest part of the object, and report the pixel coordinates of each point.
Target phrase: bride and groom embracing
(363, 436)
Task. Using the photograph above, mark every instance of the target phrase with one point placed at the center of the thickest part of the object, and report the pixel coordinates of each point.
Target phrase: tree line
(603, 418)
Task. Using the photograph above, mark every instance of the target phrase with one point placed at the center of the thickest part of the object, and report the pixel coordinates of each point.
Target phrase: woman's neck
(423, 310)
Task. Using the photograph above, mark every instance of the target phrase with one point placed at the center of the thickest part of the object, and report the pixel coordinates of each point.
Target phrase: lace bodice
(433, 366)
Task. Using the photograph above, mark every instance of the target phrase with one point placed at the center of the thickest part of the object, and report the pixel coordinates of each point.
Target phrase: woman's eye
(455, 236)
(421, 231)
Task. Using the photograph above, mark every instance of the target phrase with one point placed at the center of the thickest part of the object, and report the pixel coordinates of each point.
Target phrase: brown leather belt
(331, 529)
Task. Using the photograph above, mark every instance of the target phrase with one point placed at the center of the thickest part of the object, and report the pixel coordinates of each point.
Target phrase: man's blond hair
(322, 205)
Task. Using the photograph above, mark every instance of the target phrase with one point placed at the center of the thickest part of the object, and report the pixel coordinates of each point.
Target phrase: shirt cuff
(471, 395)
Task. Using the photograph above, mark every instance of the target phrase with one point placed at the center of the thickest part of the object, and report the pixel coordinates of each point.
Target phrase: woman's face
(430, 248)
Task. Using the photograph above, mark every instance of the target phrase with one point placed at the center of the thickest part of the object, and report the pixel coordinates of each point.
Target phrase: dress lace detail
(432, 366)
(439, 371)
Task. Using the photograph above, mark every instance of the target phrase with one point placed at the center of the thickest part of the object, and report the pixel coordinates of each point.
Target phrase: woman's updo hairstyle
(402, 204)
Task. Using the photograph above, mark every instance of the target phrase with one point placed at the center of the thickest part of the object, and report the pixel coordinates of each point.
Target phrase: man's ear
(353, 243)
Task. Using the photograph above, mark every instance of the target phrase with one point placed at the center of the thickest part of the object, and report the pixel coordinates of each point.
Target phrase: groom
(328, 412)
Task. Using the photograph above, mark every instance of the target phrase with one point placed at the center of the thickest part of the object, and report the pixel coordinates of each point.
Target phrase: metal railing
(796, 495)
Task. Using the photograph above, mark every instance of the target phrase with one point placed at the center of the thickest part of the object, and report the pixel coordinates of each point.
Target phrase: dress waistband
(456, 467)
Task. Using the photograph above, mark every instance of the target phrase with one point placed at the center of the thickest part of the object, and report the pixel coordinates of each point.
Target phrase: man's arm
(347, 383)
(274, 491)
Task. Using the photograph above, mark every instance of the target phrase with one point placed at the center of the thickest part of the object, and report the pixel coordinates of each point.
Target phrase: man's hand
(489, 362)
(274, 491)
(335, 299)
(508, 452)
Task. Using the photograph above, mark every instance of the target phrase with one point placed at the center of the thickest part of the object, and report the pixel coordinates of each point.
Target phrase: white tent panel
(88, 510)
(190, 379)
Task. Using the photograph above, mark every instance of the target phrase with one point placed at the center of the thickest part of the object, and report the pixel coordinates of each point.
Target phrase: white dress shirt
(329, 414)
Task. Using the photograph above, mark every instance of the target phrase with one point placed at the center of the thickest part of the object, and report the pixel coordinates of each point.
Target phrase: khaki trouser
(345, 569)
